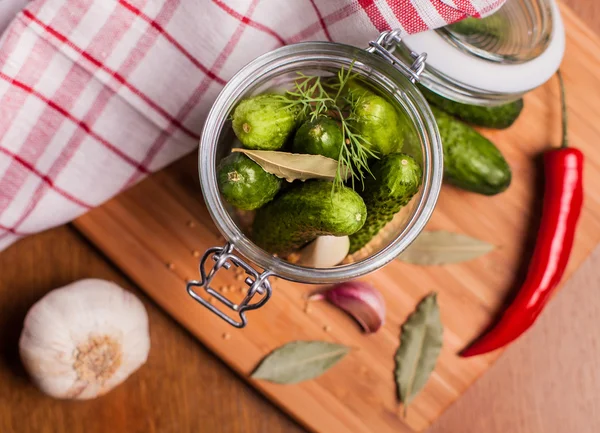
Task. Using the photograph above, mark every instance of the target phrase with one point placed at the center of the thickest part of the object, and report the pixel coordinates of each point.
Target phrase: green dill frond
(314, 99)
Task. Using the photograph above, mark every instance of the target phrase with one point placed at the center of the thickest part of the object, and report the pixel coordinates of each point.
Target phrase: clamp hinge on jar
(258, 285)
(385, 45)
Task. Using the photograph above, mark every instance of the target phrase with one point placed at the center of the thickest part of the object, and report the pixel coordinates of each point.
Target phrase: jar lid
(461, 66)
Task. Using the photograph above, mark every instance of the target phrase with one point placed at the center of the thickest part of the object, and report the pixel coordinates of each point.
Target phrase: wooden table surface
(546, 383)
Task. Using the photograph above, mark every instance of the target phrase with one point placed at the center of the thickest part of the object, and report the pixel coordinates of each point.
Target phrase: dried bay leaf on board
(295, 166)
(442, 247)
(299, 361)
(420, 346)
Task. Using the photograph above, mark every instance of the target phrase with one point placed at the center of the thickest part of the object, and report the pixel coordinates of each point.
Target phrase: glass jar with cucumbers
(321, 162)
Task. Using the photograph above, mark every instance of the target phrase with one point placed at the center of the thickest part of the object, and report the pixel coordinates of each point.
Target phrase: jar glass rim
(464, 77)
(345, 55)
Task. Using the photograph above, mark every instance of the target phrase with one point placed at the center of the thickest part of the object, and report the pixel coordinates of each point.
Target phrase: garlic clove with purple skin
(360, 300)
(82, 340)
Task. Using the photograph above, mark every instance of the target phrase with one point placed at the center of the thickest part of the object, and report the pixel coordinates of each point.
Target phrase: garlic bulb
(82, 340)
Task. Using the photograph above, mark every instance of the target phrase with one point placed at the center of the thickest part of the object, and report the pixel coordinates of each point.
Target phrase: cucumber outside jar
(478, 71)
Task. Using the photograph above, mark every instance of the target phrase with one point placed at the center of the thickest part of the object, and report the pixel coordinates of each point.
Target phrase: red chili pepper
(563, 199)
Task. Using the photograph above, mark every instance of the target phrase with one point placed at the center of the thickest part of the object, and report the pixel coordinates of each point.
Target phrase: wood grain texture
(586, 10)
(548, 381)
(145, 231)
(182, 388)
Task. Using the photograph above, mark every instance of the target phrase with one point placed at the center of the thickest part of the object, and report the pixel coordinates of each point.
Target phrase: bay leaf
(442, 247)
(295, 166)
(299, 361)
(420, 346)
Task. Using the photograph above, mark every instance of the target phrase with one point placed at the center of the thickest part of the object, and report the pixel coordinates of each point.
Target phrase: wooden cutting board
(155, 231)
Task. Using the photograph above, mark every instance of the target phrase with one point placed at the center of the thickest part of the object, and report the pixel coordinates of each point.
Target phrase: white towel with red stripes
(96, 94)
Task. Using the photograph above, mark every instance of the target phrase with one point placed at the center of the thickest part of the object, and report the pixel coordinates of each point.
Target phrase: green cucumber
(498, 117)
(396, 179)
(491, 27)
(471, 161)
(322, 136)
(378, 122)
(264, 122)
(358, 88)
(305, 212)
(244, 184)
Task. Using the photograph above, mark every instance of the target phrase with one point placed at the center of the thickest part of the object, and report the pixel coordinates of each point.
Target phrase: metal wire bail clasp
(385, 45)
(258, 284)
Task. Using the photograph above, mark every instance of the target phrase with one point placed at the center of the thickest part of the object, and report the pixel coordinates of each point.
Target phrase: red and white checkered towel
(95, 94)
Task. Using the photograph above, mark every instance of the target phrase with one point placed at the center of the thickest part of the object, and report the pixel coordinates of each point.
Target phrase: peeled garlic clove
(82, 340)
(361, 300)
(325, 252)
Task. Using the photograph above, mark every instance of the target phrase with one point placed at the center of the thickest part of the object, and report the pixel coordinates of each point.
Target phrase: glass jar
(518, 32)
(525, 51)
(275, 69)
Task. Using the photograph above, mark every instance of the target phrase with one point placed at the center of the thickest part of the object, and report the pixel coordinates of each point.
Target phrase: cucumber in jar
(264, 122)
(321, 136)
(376, 120)
(396, 179)
(244, 184)
(305, 212)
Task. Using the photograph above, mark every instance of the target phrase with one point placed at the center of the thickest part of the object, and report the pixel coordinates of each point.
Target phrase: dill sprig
(313, 99)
